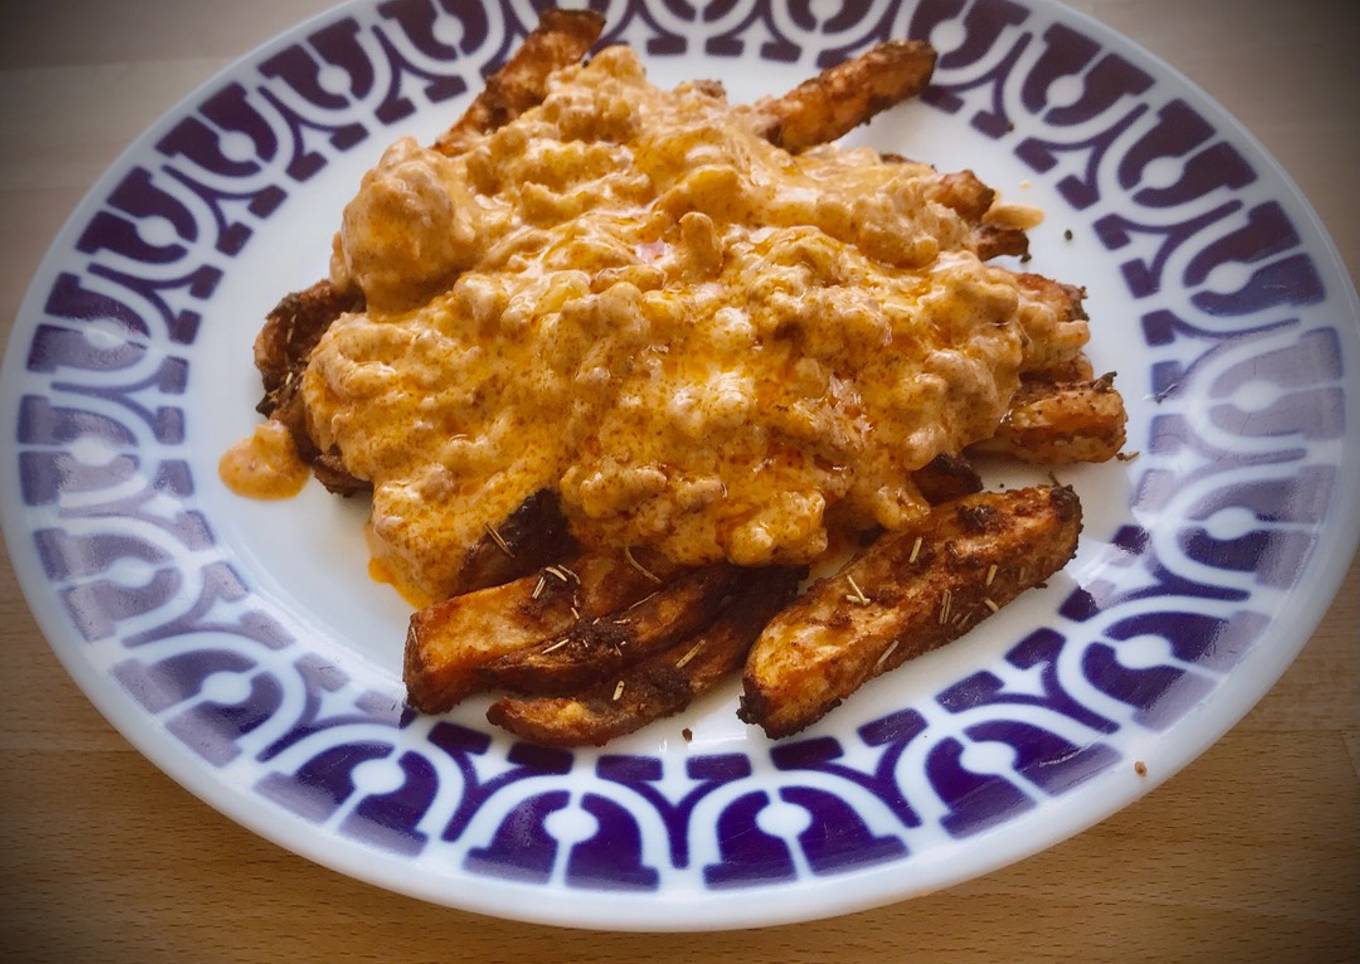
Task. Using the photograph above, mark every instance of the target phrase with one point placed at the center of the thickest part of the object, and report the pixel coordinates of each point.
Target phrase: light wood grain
(1252, 853)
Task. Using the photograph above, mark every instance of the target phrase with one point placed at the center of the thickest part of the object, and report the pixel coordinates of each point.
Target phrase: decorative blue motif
(1217, 276)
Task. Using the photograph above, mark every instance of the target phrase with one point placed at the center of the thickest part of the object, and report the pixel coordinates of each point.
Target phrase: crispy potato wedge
(330, 471)
(658, 686)
(902, 597)
(995, 240)
(533, 536)
(290, 333)
(824, 107)
(945, 478)
(598, 648)
(561, 38)
(282, 347)
(447, 643)
(1061, 423)
(971, 199)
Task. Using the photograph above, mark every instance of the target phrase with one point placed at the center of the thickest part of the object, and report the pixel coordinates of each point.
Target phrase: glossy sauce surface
(706, 345)
(264, 464)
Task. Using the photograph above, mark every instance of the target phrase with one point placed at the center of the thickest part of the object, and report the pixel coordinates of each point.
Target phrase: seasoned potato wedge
(561, 38)
(945, 478)
(447, 643)
(1062, 423)
(971, 199)
(596, 648)
(910, 592)
(659, 685)
(824, 107)
(533, 536)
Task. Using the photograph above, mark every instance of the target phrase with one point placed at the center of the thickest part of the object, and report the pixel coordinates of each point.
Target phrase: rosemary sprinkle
(989, 604)
(991, 574)
(632, 561)
(693, 652)
(498, 539)
(859, 596)
(641, 601)
(618, 691)
(557, 645)
(542, 584)
(915, 550)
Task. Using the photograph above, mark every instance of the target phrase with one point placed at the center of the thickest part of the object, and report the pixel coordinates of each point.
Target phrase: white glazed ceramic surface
(242, 647)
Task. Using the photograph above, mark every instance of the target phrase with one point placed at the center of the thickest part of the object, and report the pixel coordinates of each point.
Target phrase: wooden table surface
(1252, 853)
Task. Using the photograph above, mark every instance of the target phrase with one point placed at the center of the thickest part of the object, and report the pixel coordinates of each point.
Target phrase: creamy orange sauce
(378, 573)
(706, 345)
(264, 464)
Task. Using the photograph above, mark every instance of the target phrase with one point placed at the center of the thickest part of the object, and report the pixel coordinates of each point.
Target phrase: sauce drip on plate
(264, 464)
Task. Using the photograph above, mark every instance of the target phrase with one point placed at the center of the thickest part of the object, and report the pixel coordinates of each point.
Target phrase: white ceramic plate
(242, 647)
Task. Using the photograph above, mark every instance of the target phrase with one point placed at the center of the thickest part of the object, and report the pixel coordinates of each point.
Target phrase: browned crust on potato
(596, 648)
(291, 330)
(840, 98)
(900, 599)
(330, 471)
(1067, 299)
(561, 38)
(447, 643)
(534, 535)
(945, 478)
(658, 686)
(290, 333)
(994, 241)
(1058, 423)
(965, 194)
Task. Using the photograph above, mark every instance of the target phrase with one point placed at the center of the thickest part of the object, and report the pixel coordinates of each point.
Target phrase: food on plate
(1056, 423)
(838, 100)
(449, 642)
(908, 593)
(660, 685)
(603, 645)
(611, 361)
(561, 38)
(946, 477)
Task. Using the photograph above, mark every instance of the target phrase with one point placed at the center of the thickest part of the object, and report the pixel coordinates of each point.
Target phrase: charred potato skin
(533, 536)
(827, 644)
(946, 478)
(448, 643)
(659, 686)
(595, 649)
